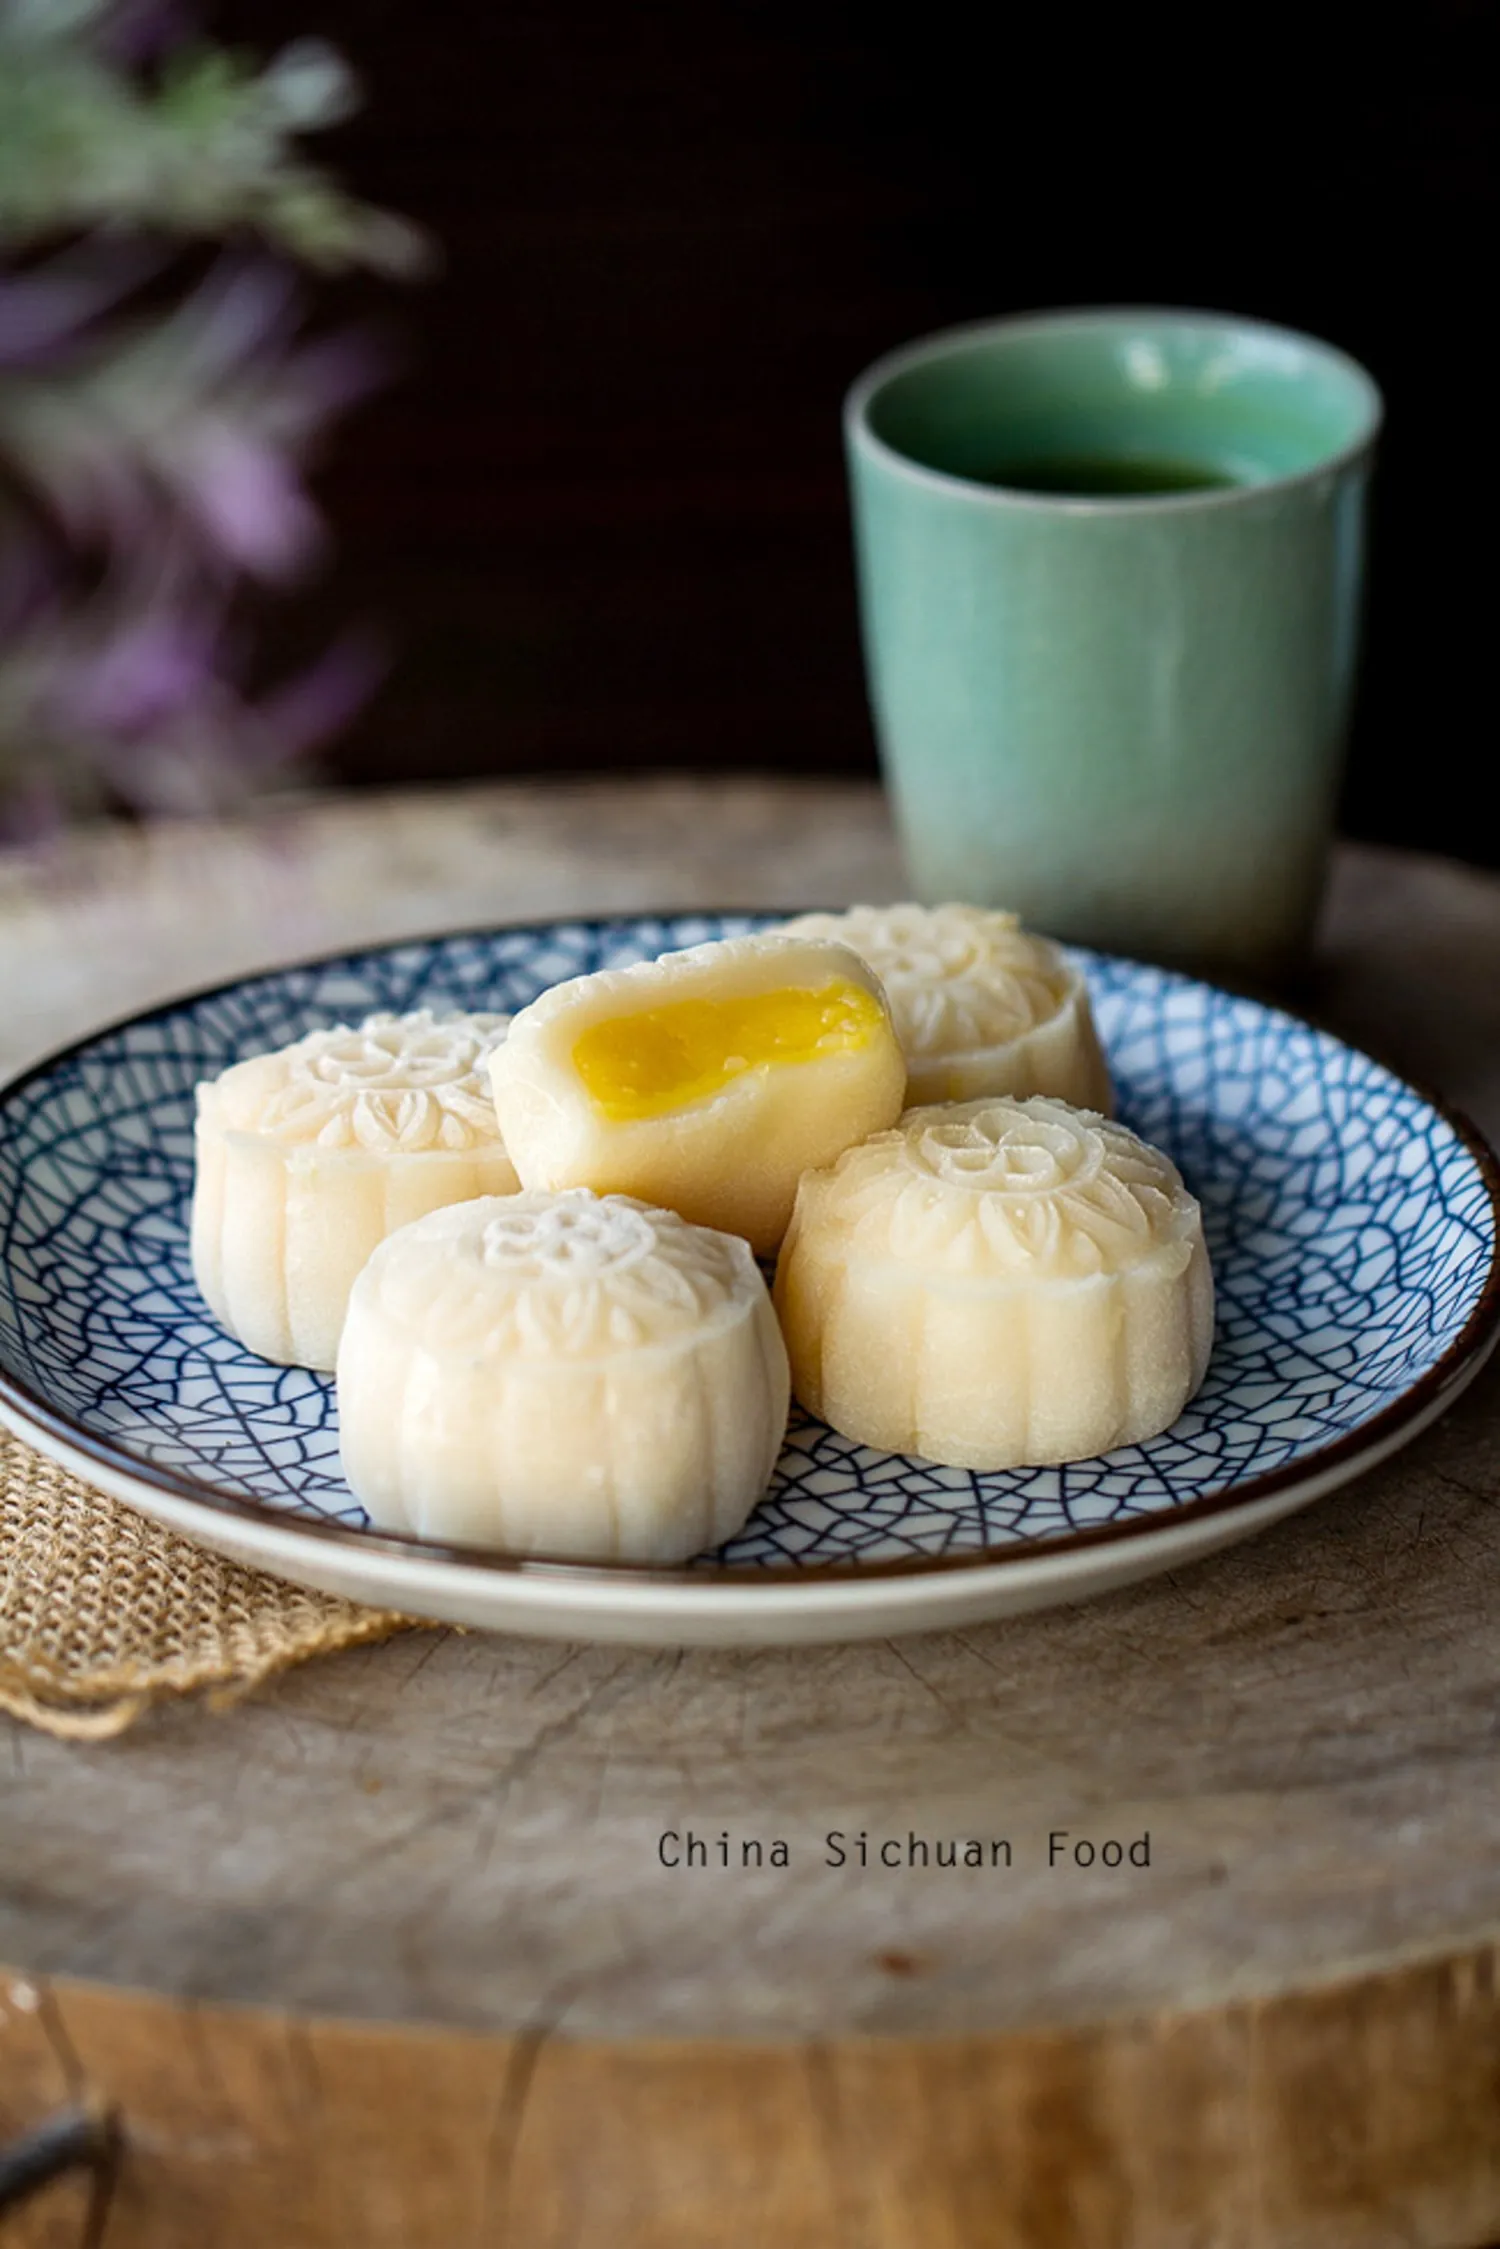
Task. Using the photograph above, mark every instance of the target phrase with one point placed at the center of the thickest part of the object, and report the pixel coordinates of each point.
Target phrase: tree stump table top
(1273, 2023)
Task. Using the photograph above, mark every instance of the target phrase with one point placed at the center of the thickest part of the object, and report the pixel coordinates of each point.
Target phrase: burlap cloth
(102, 1612)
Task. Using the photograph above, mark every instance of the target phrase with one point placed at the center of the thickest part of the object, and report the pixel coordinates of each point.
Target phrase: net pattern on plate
(1349, 1226)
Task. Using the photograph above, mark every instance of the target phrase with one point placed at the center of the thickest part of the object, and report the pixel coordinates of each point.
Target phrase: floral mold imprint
(309, 1157)
(997, 1284)
(564, 1374)
(980, 1004)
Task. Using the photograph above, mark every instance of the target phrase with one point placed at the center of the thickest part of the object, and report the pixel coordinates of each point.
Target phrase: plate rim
(27, 1412)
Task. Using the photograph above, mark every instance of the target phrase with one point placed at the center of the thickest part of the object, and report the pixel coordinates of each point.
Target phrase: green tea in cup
(1110, 570)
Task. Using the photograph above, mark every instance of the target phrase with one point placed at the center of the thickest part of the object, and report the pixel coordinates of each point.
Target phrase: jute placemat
(103, 1613)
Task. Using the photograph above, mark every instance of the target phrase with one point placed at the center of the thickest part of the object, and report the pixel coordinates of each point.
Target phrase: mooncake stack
(528, 1245)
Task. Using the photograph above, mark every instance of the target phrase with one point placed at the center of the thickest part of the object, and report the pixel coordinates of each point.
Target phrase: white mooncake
(308, 1157)
(997, 1284)
(568, 1374)
(980, 1004)
(707, 1081)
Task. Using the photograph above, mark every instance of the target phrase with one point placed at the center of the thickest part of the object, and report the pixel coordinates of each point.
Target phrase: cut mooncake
(707, 1081)
(569, 1374)
(980, 1004)
(997, 1284)
(308, 1157)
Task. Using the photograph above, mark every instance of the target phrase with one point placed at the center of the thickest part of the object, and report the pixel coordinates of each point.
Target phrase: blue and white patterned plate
(1352, 1227)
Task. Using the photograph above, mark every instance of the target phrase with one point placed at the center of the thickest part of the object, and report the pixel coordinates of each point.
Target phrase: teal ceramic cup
(1109, 568)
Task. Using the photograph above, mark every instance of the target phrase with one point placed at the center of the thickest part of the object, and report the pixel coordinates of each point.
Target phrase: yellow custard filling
(666, 1058)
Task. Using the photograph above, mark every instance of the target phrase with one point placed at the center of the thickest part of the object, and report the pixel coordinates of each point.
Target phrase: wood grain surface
(1356, 2117)
(1281, 2029)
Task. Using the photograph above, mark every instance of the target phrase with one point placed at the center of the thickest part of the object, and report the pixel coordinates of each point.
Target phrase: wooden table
(388, 1954)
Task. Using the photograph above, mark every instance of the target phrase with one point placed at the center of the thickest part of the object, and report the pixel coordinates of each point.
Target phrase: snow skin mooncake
(306, 1158)
(980, 1004)
(568, 1374)
(707, 1081)
(997, 1284)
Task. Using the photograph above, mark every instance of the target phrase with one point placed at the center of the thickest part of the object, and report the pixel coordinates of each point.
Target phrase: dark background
(600, 520)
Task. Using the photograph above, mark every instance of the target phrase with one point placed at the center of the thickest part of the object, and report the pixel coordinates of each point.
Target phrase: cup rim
(861, 435)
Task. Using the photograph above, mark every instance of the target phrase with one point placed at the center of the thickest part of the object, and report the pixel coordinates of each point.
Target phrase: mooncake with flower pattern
(997, 1284)
(566, 1374)
(308, 1157)
(980, 1004)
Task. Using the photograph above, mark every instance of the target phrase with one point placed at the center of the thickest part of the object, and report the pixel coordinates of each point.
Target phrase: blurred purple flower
(245, 499)
(143, 674)
(136, 32)
(203, 421)
(45, 307)
(141, 686)
(148, 680)
(157, 423)
(307, 711)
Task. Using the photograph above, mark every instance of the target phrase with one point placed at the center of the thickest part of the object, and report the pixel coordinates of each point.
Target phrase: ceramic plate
(1352, 1226)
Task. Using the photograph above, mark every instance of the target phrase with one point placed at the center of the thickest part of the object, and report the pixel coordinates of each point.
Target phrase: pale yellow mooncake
(980, 1004)
(566, 1374)
(997, 1284)
(707, 1081)
(308, 1157)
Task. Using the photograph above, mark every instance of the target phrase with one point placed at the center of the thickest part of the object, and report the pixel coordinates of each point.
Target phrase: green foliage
(204, 148)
